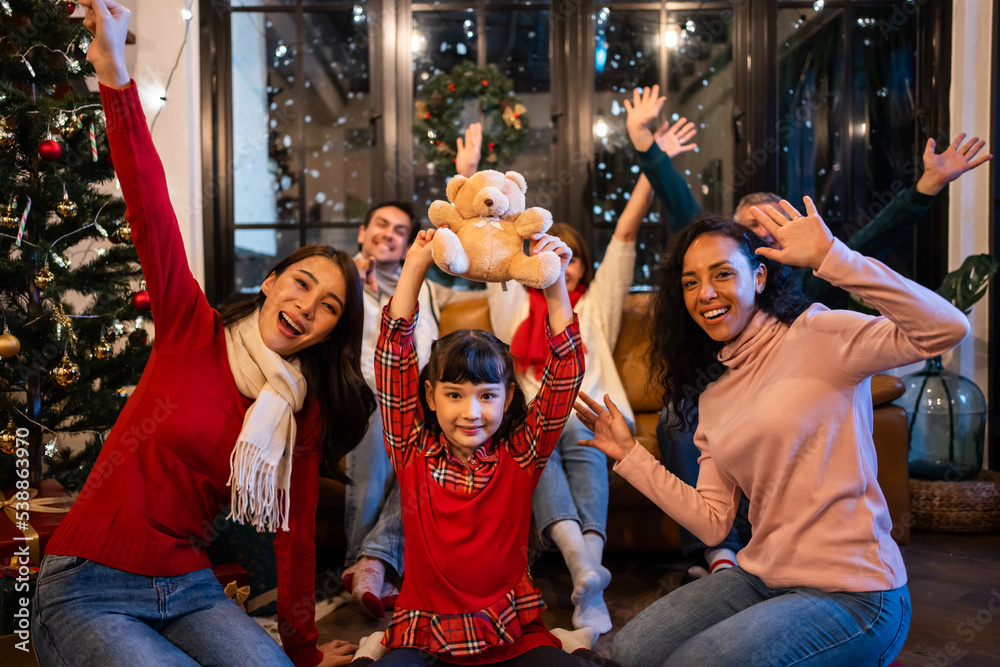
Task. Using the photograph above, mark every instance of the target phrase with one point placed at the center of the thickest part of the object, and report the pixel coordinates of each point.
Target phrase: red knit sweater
(160, 480)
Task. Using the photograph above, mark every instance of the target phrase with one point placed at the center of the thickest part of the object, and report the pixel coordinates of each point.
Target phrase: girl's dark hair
(332, 367)
(472, 355)
(574, 239)
(682, 356)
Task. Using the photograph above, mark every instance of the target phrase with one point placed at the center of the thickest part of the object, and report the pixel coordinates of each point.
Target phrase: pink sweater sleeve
(917, 323)
(707, 511)
(181, 312)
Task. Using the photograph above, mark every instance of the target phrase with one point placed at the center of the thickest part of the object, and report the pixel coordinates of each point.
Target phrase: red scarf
(530, 345)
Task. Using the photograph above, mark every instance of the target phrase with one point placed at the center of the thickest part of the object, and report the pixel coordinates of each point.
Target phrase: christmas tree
(71, 303)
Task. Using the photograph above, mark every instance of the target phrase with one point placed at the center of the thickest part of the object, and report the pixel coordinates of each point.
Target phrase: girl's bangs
(474, 361)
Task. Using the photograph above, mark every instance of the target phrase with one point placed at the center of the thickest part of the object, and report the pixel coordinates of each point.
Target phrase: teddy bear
(480, 234)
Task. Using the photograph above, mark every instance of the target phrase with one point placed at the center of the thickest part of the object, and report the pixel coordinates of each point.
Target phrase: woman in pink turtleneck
(783, 391)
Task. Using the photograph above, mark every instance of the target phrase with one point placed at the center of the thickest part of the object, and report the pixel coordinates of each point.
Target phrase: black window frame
(754, 36)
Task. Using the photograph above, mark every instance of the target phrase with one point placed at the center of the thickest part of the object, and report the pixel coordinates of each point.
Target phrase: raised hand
(420, 249)
(641, 114)
(542, 242)
(366, 269)
(805, 240)
(672, 139)
(942, 169)
(611, 434)
(469, 151)
(108, 21)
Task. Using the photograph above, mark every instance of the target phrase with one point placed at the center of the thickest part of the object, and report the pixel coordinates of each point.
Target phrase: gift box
(254, 552)
(25, 532)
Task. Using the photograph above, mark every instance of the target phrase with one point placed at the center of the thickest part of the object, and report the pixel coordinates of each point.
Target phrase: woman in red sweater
(237, 409)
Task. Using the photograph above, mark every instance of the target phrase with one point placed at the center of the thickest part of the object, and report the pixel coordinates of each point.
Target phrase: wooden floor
(954, 584)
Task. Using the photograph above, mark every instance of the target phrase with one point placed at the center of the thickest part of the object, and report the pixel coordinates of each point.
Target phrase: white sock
(581, 638)
(371, 647)
(720, 559)
(590, 578)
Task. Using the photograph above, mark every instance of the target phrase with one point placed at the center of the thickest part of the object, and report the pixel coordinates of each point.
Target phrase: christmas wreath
(439, 113)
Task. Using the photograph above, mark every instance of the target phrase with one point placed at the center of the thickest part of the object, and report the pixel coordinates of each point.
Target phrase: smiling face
(720, 286)
(468, 413)
(574, 273)
(303, 305)
(745, 218)
(385, 237)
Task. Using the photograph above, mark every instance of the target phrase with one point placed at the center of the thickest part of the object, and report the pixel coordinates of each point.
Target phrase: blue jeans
(679, 455)
(372, 520)
(86, 613)
(732, 618)
(574, 485)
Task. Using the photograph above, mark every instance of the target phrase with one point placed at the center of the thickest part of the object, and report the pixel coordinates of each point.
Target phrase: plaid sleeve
(548, 412)
(396, 373)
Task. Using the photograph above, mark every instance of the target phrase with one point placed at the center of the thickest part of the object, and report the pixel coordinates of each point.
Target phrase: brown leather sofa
(634, 522)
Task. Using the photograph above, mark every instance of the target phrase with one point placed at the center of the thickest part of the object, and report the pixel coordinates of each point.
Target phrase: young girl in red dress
(468, 452)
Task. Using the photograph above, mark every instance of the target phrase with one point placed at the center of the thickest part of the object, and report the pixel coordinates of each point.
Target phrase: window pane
(337, 112)
(440, 40)
(626, 48)
(341, 238)
(266, 146)
(517, 42)
(700, 88)
(257, 250)
(810, 108)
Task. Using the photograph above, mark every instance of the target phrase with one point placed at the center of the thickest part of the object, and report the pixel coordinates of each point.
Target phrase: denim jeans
(372, 519)
(679, 455)
(86, 613)
(732, 618)
(574, 485)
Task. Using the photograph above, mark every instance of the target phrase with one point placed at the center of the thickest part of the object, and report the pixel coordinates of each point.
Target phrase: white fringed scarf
(261, 462)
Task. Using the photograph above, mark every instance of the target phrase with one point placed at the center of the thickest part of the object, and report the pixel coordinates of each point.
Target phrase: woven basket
(957, 507)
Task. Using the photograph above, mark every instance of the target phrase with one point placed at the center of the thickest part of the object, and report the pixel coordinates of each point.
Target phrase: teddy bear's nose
(488, 202)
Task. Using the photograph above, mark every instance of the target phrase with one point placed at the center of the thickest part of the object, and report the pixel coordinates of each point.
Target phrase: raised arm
(182, 314)
(556, 297)
(396, 368)
(469, 151)
(656, 161)
(707, 511)
(917, 323)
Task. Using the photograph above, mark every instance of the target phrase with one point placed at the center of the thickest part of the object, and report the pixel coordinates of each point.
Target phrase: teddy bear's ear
(454, 185)
(519, 179)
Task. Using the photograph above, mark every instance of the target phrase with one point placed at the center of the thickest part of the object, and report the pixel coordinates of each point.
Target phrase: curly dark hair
(681, 355)
(479, 357)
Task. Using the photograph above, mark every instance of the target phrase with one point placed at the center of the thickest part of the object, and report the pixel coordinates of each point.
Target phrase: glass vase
(947, 420)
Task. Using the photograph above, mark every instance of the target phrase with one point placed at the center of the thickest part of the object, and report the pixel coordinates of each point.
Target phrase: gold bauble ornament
(9, 219)
(9, 344)
(44, 278)
(7, 136)
(123, 233)
(66, 207)
(67, 126)
(101, 349)
(66, 372)
(8, 438)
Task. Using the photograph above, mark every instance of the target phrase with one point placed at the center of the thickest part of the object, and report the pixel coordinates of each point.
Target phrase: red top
(467, 595)
(160, 481)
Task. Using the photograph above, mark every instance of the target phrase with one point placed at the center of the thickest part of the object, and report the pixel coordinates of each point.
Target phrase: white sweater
(599, 311)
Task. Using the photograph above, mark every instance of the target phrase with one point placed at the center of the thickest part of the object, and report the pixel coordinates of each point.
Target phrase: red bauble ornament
(70, 8)
(141, 300)
(50, 150)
